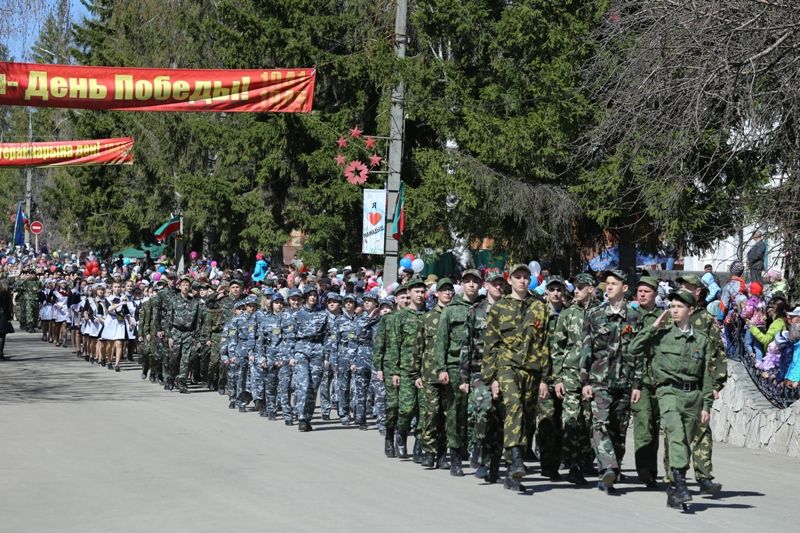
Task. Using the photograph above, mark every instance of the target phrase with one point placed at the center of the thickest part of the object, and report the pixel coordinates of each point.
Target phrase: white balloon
(417, 265)
(535, 267)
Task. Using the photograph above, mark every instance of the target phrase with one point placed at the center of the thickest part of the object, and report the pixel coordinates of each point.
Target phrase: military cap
(650, 281)
(551, 280)
(269, 293)
(236, 281)
(256, 291)
(415, 282)
(372, 295)
(619, 274)
(295, 292)
(386, 301)
(308, 289)
(349, 296)
(239, 303)
(684, 296)
(334, 297)
(690, 279)
(251, 300)
(443, 283)
(495, 275)
(185, 278)
(519, 266)
(277, 297)
(401, 289)
(431, 279)
(161, 283)
(171, 275)
(269, 282)
(472, 272)
(195, 286)
(583, 279)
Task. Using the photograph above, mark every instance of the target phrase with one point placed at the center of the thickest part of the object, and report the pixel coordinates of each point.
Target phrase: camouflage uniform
(576, 412)
(269, 334)
(219, 315)
(255, 376)
(161, 312)
(284, 351)
(344, 351)
(145, 326)
(607, 366)
(409, 321)
(365, 339)
(328, 393)
(517, 357)
(549, 412)
(184, 323)
(434, 396)
(242, 344)
(28, 303)
(386, 359)
(483, 421)
(310, 353)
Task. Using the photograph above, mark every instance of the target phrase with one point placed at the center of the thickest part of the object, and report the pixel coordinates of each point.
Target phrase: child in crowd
(753, 311)
(712, 286)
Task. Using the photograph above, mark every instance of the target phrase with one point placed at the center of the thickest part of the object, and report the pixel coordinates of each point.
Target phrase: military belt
(686, 386)
(184, 329)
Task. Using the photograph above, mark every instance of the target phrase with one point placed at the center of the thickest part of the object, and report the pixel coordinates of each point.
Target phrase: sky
(19, 43)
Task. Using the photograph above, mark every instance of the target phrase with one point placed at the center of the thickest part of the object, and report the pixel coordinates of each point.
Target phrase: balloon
(409, 256)
(193, 255)
(95, 271)
(155, 276)
(87, 272)
(534, 283)
(418, 265)
(405, 263)
(53, 268)
(162, 269)
(213, 264)
(535, 267)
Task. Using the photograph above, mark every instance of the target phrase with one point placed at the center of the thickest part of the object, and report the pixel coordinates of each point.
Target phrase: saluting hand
(661, 319)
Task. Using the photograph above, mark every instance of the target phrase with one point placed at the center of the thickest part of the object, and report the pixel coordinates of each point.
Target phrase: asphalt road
(86, 449)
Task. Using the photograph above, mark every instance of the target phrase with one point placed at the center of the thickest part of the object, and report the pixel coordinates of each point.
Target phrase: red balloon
(87, 272)
(95, 271)
(410, 257)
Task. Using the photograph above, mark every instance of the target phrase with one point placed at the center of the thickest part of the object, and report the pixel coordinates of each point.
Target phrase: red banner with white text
(149, 89)
(67, 153)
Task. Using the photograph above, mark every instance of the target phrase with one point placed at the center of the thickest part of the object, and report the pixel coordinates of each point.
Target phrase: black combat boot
(510, 483)
(708, 487)
(455, 463)
(232, 404)
(681, 492)
(475, 456)
(428, 460)
(442, 461)
(401, 444)
(326, 416)
(517, 468)
(388, 444)
(494, 470)
(417, 457)
(481, 472)
(243, 408)
(575, 476)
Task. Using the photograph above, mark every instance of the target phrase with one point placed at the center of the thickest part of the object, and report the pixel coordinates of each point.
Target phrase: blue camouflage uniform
(310, 356)
(284, 352)
(344, 352)
(366, 327)
(328, 389)
(269, 360)
(228, 354)
(242, 342)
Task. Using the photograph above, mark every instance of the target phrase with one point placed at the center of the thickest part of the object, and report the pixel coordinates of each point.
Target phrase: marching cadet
(361, 363)
(684, 384)
(343, 353)
(184, 323)
(309, 355)
(516, 365)
(228, 355)
(285, 349)
(328, 389)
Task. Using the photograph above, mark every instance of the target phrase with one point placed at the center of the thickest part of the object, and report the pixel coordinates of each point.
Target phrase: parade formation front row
(484, 376)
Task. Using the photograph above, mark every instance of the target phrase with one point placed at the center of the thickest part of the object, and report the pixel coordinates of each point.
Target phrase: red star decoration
(355, 133)
(369, 143)
(356, 172)
(342, 142)
(340, 159)
(375, 160)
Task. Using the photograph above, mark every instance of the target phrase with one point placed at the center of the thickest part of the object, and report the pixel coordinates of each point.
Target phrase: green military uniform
(681, 373)
(608, 367)
(27, 312)
(144, 326)
(576, 412)
(216, 369)
(645, 412)
(517, 357)
(184, 323)
(408, 322)
(161, 312)
(386, 359)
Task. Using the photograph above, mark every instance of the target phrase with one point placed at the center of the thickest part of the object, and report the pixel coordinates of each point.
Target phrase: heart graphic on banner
(374, 218)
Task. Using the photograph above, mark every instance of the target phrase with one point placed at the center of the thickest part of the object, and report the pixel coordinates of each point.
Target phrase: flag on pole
(19, 227)
(399, 221)
(169, 227)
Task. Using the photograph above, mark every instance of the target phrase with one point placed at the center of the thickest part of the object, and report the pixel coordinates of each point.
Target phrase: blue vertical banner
(19, 227)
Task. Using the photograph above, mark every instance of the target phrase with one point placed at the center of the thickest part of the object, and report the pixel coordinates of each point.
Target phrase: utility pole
(396, 134)
(29, 179)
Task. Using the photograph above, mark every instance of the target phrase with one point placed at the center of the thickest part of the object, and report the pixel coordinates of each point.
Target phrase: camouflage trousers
(182, 353)
(576, 418)
(520, 390)
(610, 416)
(144, 358)
(432, 425)
(549, 431)
(409, 406)
(214, 371)
(455, 412)
(327, 391)
(162, 348)
(646, 421)
(242, 380)
(256, 381)
(360, 392)
(271, 389)
(392, 402)
(203, 361)
(483, 420)
(680, 418)
(285, 375)
(307, 378)
(380, 400)
(344, 392)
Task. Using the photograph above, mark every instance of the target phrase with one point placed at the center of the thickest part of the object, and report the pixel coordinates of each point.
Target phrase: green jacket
(451, 335)
(678, 356)
(473, 348)
(516, 337)
(605, 359)
(386, 354)
(408, 322)
(704, 322)
(565, 346)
